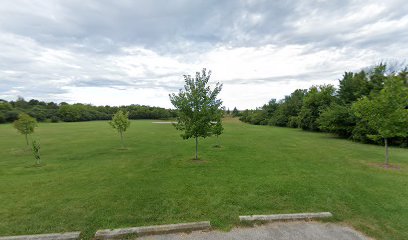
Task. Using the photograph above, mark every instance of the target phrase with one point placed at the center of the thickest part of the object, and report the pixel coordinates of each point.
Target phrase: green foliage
(377, 77)
(197, 106)
(35, 146)
(2, 118)
(338, 119)
(288, 109)
(25, 125)
(52, 112)
(317, 99)
(120, 122)
(324, 109)
(218, 129)
(353, 86)
(54, 119)
(386, 112)
(235, 112)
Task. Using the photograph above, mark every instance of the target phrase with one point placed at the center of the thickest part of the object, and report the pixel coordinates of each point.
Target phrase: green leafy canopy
(386, 111)
(25, 124)
(198, 108)
(120, 121)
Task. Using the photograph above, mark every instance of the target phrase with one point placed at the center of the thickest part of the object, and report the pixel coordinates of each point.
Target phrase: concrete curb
(51, 236)
(151, 230)
(284, 217)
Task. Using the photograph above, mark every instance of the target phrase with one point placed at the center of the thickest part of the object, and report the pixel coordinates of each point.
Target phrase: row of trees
(199, 112)
(368, 106)
(50, 111)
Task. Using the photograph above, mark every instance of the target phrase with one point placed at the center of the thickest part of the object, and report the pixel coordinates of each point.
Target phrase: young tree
(25, 125)
(36, 152)
(120, 122)
(198, 107)
(217, 130)
(386, 111)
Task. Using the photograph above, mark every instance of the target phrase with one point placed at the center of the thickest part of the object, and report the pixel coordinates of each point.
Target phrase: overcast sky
(136, 52)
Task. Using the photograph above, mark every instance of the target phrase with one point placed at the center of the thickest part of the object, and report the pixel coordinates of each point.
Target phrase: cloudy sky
(136, 52)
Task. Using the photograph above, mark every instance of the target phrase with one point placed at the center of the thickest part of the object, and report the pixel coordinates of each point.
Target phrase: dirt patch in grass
(385, 166)
(122, 149)
(36, 165)
(198, 161)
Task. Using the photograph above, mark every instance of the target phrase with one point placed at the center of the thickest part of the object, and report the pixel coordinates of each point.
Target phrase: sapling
(36, 151)
(120, 122)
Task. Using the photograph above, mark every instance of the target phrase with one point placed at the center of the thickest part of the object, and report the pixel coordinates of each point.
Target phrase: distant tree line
(53, 112)
(325, 108)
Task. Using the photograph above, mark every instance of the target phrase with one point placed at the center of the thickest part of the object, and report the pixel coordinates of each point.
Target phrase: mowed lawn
(88, 183)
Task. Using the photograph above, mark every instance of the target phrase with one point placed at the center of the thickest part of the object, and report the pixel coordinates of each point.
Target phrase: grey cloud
(91, 33)
(284, 78)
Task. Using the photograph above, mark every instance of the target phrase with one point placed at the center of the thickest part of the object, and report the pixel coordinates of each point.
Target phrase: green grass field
(88, 183)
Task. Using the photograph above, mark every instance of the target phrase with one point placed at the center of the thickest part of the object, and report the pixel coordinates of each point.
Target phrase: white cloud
(136, 52)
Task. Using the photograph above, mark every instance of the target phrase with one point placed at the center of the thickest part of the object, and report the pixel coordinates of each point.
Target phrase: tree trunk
(196, 152)
(26, 139)
(386, 151)
(121, 139)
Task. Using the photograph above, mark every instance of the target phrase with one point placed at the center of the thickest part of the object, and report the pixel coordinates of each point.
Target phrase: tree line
(369, 106)
(54, 112)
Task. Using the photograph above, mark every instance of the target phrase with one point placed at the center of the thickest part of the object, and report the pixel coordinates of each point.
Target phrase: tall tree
(316, 100)
(235, 112)
(338, 119)
(198, 107)
(120, 122)
(289, 109)
(377, 77)
(353, 86)
(25, 125)
(386, 111)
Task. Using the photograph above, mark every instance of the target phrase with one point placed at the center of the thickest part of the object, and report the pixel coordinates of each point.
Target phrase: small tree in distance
(25, 125)
(217, 130)
(198, 107)
(235, 112)
(120, 122)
